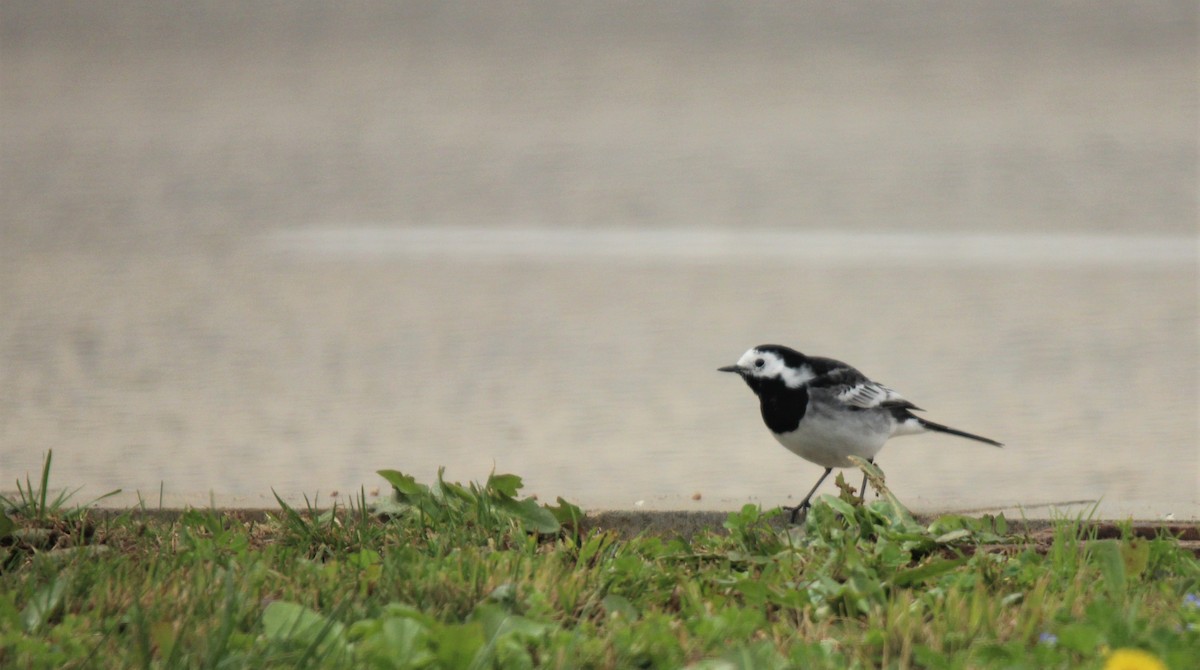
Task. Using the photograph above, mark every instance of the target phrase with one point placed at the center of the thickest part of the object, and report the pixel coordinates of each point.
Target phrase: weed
(33, 502)
(446, 575)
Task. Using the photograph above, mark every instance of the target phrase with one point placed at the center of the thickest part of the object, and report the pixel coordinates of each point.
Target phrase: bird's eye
(758, 363)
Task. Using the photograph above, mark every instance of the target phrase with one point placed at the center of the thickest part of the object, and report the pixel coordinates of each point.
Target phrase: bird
(824, 410)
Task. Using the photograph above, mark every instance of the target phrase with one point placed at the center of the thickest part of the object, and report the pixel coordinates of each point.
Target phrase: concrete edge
(685, 524)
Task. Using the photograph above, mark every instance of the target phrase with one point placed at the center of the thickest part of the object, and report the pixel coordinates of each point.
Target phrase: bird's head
(769, 363)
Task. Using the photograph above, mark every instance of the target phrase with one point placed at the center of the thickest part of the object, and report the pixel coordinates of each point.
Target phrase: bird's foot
(798, 512)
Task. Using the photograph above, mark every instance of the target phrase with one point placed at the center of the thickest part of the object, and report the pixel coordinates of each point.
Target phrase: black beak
(730, 368)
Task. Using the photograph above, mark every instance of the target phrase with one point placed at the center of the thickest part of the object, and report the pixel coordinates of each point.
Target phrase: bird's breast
(830, 438)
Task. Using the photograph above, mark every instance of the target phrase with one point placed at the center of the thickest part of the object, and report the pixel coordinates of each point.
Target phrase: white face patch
(768, 365)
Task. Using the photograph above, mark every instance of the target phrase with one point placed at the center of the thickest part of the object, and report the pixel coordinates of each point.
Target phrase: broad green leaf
(403, 611)
(408, 639)
(504, 594)
(409, 496)
(952, 536)
(566, 513)
(532, 515)
(458, 645)
(449, 490)
(760, 656)
(840, 506)
(393, 643)
(1107, 555)
(391, 507)
(364, 559)
(498, 622)
(911, 538)
(505, 485)
(43, 604)
(999, 523)
(875, 476)
(922, 573)
(294, 624)
(948, 522)
(754, 591)
(405, 484)
(1136, 556)
(620, 605)
(1080, 637)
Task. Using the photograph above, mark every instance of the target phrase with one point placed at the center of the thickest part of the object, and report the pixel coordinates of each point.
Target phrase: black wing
(853, 389)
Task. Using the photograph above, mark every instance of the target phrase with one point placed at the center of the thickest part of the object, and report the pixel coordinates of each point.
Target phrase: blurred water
(245, 249)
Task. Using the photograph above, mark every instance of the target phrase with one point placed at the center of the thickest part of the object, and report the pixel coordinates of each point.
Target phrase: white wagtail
(824, 411)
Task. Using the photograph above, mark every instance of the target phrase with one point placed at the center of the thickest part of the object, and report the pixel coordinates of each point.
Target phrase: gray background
(160, 324)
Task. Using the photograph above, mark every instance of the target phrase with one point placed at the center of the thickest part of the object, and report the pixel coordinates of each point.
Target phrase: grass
(475, 576)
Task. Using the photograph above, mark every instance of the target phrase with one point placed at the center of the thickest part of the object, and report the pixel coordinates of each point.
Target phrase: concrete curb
(685, 524)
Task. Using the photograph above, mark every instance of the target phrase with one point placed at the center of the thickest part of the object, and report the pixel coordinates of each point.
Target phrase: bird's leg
(804, 503)
(863, 491)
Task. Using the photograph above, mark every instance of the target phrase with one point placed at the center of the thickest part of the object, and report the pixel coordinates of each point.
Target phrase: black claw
(802, 507)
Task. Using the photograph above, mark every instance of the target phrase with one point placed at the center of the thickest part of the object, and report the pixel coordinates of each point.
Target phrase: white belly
(828, 442)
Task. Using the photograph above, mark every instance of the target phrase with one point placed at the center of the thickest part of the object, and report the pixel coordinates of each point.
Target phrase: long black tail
(954, 431)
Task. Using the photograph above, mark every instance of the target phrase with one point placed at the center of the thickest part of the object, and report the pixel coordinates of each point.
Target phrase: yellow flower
(1133, 659)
